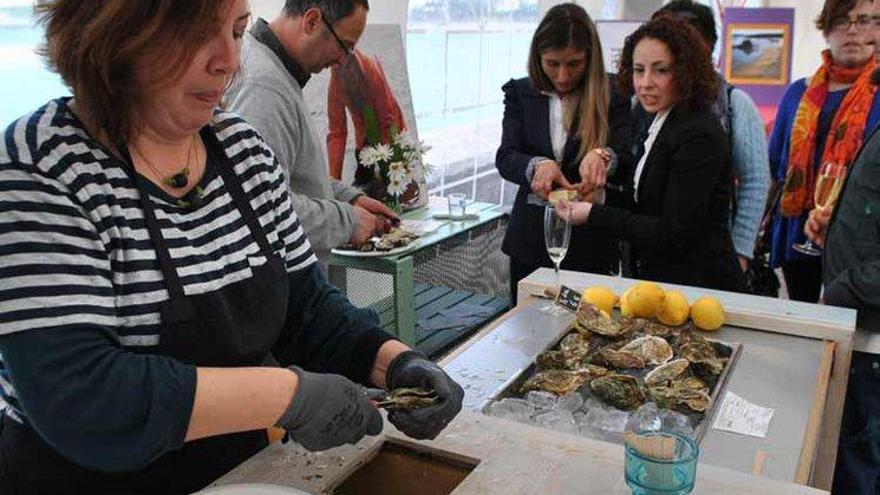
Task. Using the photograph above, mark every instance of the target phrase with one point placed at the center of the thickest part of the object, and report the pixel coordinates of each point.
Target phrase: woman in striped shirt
(151, 261)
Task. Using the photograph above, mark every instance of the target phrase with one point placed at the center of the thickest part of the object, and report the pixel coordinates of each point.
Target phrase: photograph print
(757, 53)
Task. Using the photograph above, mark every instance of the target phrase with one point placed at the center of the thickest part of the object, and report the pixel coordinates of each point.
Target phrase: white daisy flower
(396, 187)
(383, 152)
(368, 157)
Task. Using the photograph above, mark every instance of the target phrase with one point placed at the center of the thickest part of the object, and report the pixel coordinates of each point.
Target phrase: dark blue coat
(526, 134)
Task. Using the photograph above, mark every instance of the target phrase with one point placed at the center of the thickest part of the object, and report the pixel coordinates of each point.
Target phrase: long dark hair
(568, 25)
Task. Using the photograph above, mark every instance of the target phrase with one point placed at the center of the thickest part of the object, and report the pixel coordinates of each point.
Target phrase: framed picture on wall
(757, 53)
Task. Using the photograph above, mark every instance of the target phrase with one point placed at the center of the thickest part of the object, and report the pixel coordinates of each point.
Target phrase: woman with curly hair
(677, 222)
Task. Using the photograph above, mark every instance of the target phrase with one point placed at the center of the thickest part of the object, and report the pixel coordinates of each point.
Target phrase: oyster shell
(704, 355)
(575, 345)
(690, 392)
(590, 319)
(620, 391)
(562, 382)
(570, 355)
(619, 359)
(394, 238)
(658, 329)
(408, 399)
(552, 360)
(654, 350)
(666, 372)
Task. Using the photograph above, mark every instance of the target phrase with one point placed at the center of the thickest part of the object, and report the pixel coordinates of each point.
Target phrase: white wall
(808, 41)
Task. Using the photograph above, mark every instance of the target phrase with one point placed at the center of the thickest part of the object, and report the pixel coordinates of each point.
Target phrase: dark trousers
(858, 454)
(519, 271)
(803, 278)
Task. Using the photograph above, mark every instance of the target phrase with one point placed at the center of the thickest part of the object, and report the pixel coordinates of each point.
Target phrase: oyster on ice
(658, 329)
(690, 392)
(654, 350)
(666, 372)
(621, 391)
(562, 382)
(569, 356)
(590, 319)
(619, 359)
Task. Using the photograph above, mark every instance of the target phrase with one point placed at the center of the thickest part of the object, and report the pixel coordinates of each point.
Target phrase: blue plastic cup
(649, 475)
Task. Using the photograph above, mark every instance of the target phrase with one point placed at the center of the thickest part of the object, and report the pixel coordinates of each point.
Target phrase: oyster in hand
(408, 399)
(654, 350)
(621, 391)
(562, 382)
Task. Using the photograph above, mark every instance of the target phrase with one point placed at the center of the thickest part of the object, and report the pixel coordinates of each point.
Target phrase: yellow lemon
(645, 299)
(600, 296)
(674, 310)
(625, 309)
(707, 313)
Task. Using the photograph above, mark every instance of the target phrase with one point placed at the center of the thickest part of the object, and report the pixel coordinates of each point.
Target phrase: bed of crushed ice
(581, 414)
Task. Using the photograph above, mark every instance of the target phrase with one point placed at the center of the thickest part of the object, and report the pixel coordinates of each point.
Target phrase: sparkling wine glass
(828, 185)
(557, 232)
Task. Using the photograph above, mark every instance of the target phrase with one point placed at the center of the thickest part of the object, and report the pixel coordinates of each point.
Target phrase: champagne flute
(828, 185)
(557, 232)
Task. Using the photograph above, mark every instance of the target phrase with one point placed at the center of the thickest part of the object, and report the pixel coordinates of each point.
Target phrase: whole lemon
(625, 308)
(674, 310)
(707, 313)
(645, 298)
(600, 296)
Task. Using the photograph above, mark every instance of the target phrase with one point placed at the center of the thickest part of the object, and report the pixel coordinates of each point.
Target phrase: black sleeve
(95, 403)
(620, 140)
(510, 161)
(696, 162)
(325, 333)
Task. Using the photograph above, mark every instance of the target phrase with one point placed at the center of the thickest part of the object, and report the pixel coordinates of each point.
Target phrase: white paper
(738, 415)
(421, 227)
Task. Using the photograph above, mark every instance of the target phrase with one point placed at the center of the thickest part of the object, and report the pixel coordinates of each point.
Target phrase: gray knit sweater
(271, 100)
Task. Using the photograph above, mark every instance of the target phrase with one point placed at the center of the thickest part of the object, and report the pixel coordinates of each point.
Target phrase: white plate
(252, 489)
(373, 254)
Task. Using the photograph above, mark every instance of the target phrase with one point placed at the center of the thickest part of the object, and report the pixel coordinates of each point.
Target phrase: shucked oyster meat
(654, 350)
(562, 382)
(621, 391)
(590, 319)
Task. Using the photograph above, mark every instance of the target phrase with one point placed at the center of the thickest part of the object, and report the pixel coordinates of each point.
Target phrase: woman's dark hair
(564, 26)
(95, 46)
(833, 10)
(696, 82)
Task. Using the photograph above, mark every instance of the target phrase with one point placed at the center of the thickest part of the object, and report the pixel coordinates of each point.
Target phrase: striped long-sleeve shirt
(76, 260)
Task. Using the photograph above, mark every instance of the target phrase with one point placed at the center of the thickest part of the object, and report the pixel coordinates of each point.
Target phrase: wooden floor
(433, 304)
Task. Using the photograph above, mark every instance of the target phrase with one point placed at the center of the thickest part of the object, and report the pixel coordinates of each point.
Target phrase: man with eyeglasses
(277, 60)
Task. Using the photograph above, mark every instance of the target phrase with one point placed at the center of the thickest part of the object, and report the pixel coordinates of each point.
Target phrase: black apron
(234, 326)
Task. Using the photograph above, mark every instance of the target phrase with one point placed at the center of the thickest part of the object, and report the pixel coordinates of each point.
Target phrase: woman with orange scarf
(824, 118)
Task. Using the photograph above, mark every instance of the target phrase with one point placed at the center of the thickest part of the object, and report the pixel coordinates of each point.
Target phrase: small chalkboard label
(568, 298)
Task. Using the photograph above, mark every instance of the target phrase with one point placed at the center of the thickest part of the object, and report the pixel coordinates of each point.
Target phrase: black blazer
(526, 134)
(679, 229)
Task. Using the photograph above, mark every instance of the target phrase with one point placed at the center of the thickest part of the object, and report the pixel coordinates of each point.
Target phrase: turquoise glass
(647, 475)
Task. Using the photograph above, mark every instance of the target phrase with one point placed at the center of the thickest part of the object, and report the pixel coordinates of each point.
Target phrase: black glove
(328, 411)
(412, 369)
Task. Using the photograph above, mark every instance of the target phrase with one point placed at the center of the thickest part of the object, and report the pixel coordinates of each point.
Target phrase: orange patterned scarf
(844, 137)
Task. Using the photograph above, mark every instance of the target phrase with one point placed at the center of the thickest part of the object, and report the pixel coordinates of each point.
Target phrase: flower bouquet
(397, 168)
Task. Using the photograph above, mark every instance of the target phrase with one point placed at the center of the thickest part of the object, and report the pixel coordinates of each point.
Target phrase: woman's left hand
(592, 169)
(575, 212)
(412, 369)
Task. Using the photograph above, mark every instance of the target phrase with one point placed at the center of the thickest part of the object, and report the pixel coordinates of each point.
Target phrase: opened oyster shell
(620, 391)
(653, 350)
(562, 382)
(666, 372)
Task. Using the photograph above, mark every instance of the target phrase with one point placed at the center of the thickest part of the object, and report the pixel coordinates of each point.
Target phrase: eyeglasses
(862, 23)
(345, 48)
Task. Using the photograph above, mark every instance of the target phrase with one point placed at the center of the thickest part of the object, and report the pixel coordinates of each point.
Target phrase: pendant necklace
(175, 181)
